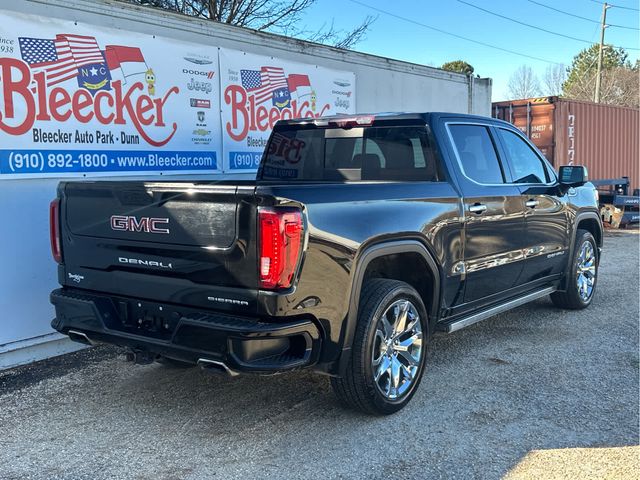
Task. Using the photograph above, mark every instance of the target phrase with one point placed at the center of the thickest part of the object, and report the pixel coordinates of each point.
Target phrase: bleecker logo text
(116, 107)
(267, 95)
(246, 115)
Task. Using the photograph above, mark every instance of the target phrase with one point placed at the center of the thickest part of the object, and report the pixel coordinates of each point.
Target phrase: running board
(478, 317)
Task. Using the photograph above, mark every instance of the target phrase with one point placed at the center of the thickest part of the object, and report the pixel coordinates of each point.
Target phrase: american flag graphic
(85, 50)
(262, 83)
(60, 58)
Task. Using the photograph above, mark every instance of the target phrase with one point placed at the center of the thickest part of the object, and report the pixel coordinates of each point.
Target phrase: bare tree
(523, 83)
(619, 86)
(554, 76)
(276, 16)
(620, 82)
(328, 34)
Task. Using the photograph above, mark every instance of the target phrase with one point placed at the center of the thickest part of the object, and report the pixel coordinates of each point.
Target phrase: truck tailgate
(176, 242)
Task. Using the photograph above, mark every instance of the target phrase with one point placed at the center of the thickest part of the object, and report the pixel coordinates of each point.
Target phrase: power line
(581, 18)
(533, 26)
(384, 12)
(617, 6)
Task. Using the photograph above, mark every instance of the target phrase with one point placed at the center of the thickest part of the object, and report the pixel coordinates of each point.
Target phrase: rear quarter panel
(342, 220)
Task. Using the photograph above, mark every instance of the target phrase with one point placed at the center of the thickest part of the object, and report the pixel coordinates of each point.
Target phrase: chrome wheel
(397, 349)
(586, 271)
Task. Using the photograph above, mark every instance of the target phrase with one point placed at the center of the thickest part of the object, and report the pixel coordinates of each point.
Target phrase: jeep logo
(124, 223)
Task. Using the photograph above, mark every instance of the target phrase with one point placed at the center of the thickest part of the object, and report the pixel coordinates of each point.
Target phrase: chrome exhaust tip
(80, 337)
(215, 366)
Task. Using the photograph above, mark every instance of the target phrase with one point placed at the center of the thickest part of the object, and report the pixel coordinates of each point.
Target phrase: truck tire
(581, 284)
(389, 349)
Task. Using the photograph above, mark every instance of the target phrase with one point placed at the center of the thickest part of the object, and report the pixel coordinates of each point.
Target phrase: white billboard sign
(257, 91)
(81, 99)
(78, 100)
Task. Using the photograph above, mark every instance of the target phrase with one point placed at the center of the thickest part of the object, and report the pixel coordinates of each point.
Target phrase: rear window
(401, 153)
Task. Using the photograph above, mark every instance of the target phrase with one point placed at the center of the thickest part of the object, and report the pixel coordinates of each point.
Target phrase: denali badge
(124, 223)
(146, 263)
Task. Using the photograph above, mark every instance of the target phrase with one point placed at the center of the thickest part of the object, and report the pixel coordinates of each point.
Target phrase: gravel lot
(534, 393)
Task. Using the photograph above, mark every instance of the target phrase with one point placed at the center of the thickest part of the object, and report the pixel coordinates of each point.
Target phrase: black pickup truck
(359, 239)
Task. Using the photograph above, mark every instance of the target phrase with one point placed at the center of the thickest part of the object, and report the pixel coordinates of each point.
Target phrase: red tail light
(280, 236)
(54, 230)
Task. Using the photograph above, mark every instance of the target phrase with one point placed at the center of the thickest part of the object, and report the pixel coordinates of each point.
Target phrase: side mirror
(573, 176)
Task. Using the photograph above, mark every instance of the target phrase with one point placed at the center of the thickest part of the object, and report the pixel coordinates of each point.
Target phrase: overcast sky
(399, 38)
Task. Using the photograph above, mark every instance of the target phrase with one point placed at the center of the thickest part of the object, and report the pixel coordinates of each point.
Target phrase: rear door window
(477, 153)
(401, 153)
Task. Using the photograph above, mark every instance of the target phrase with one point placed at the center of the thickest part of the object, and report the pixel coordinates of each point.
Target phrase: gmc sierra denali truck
(359, 239)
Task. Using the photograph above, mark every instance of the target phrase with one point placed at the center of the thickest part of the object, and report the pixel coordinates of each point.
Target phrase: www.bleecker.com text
(159, 160)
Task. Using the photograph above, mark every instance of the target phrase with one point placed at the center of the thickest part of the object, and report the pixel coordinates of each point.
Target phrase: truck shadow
(493, 393)
(535, 378)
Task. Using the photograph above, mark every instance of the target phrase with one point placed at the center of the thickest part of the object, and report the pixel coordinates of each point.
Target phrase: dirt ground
(533, 393)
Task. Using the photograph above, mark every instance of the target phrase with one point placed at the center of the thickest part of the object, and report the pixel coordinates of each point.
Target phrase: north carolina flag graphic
(124, 62)
(299, 85)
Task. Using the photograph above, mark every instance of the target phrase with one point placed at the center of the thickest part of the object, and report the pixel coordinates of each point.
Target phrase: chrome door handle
(532, 203)
(477, 208)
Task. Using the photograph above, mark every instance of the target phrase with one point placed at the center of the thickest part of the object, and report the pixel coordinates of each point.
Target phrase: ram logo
(125, 223)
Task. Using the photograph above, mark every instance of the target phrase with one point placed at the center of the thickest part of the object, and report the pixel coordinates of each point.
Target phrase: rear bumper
(240, 344)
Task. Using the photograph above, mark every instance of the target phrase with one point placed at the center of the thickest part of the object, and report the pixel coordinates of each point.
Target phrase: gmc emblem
(124, 223)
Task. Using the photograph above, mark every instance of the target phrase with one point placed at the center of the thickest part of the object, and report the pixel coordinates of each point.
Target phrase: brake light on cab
(54, 230)
(347, 122)
(280, 244)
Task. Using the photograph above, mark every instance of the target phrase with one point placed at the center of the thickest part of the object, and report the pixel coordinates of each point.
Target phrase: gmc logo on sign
(124, 223)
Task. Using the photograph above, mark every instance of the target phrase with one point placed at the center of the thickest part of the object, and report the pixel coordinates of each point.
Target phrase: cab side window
(527, 166)
(477, 153)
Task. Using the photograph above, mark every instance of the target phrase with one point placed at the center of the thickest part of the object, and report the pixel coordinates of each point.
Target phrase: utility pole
(603, 25)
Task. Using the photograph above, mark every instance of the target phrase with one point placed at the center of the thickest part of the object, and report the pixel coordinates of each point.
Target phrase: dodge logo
(124, 223)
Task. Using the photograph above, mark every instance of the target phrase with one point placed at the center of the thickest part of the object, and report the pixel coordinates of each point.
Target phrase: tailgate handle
(532, 203)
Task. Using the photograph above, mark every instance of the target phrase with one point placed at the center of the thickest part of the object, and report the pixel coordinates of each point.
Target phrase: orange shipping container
(604, 138)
